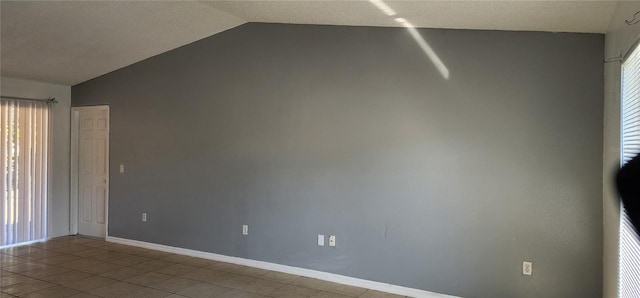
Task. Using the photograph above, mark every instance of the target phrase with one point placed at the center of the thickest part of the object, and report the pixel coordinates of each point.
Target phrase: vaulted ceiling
(69, 42)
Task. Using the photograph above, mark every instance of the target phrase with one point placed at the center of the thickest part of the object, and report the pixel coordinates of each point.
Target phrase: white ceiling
(71, 42)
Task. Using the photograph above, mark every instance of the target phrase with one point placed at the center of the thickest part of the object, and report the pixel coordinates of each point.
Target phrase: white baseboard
(341, 279)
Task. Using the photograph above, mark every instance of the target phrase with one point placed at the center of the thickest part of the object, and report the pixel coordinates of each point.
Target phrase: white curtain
(24, 163)
(629, 265)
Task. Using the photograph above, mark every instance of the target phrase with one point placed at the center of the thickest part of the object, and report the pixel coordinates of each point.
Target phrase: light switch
(121, 168)
(321, 240)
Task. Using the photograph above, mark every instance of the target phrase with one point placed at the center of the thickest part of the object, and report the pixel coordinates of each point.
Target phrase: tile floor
(74, 266)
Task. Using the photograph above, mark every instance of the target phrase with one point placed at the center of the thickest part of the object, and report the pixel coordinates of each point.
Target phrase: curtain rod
(47, 100)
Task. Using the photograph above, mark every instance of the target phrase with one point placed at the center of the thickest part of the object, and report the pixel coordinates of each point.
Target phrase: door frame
(74, 191)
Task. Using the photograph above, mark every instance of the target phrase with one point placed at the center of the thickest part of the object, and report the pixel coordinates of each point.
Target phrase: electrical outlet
(245, 230)
(332, 240)
(144, 216)
(321, 240)
(527, 268)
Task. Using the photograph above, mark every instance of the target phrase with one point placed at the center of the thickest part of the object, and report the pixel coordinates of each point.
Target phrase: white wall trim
(73, 169)
(341, 279)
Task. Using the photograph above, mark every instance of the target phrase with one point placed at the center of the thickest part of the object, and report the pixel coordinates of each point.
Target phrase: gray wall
(440, 184)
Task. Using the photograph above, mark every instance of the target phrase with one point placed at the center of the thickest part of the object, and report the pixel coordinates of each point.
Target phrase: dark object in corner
(628, 181)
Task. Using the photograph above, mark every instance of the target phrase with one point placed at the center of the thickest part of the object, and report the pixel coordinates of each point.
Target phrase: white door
(93, 169)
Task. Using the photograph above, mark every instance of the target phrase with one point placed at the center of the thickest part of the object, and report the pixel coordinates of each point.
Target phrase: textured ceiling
(71, 42)
(518, 15)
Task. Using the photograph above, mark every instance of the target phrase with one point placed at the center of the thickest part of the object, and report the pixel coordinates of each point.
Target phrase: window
(24, 150)
(629, 254)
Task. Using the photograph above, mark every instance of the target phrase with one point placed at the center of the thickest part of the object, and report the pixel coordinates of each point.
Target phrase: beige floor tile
(100, 268)
(6, 273)
(109, 256)
(41, 254)
(130, 260)
(235, 281)
(132, 251)
(50, 244)
(378, 294)
(11, 262)
(251, 271)
(153, 265)
(6, 281)
(291, 291)
(123, 273)
(3, 256)
(115, 290)
(146, 293)
(66, 277)
(240, 294)
(45, 272)
(27, 250)
(175, 258)
(71, 248)
(197, 262)
(79, 263)
(177, 269)
(138, 250)
(59, 259)
(175, 284)
(222, 266)
(89, 252)
(206, 275)
(84, 295)
(24, 267)
(4, 295)
(203, 291)
(64, 238)
(38, 244)
(17, 251)
(262, 286)
(345, 290)
(154, 254)
(97, 243)
(8, 260)
(280, 277)
(176, 296)
(52, 292)
(148, 278)
(323, 294)
(26, 287)
(311, 283)
(89, 283)
(73, 265)
(81, 240)
(329, 286)
(115, 247)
